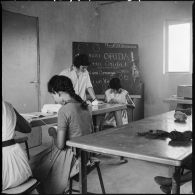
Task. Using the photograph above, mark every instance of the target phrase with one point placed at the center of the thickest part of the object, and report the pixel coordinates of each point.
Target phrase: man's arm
(91, 93)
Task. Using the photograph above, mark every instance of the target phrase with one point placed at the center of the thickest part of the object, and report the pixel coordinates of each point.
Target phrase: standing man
(80, 77)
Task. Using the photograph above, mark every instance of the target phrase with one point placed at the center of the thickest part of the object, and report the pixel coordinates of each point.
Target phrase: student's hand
(88, 102)
(97, 102)
(94, 102)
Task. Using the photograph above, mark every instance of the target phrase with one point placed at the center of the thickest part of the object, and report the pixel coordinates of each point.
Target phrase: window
(178, 46)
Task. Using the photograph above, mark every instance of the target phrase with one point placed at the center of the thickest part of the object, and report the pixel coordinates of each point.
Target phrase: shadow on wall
(62, 58)
(149, 98)
(59, 63)
(153, 104)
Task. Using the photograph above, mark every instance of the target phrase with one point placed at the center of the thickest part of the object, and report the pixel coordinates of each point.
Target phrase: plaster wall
(60, 23)
(142, 23)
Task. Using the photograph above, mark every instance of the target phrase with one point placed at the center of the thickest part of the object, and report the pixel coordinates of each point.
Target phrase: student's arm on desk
(130, 102)
(22, 124)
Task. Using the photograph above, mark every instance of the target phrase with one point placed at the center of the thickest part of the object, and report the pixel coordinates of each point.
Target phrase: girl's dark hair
(62, 83)
(81, 60)
(115, 84)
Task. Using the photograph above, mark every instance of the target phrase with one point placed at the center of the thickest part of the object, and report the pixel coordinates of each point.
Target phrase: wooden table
(178, 100)
(96, 110)
(125, 142)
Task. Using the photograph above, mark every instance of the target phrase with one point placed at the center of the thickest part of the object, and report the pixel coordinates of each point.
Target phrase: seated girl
(74, 119)
(114, 95)
(15, 166)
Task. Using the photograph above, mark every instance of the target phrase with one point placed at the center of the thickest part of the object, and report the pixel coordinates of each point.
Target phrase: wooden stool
(94, 163)
(25, 188)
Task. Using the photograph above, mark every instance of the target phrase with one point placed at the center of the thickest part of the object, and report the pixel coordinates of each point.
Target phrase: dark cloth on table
(175, 136)
(154, 134)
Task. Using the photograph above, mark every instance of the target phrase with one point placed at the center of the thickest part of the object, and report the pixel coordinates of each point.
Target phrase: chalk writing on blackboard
(134, 69)
(96, 48)
(108, 60)
(119, 45)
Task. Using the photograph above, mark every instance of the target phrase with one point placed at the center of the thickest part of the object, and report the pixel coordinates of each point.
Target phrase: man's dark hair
(81, 60)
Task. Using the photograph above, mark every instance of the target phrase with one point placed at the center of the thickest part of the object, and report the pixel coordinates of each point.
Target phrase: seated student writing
(116, 94)
(74, 119)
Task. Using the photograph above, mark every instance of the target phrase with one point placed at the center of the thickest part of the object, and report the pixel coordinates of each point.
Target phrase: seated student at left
(15, 166)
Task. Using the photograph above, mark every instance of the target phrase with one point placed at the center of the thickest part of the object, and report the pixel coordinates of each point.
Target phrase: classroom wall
(142, 23)
(60, 23)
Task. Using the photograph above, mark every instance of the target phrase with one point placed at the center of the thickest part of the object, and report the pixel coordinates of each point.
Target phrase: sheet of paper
(33, 115)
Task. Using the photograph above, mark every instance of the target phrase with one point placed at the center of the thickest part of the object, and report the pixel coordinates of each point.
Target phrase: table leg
(119, 122)
(118, 118)
(176, 181)
(83, 172)
(97, 122)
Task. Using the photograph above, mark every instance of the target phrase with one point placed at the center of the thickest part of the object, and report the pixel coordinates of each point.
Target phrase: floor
(134, 177)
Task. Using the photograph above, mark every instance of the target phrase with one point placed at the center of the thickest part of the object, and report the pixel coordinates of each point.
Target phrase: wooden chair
(25, 188)
(94, 163)
(23, 140)
(31, 184)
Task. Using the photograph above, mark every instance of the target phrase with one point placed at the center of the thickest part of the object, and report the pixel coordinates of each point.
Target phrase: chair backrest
(24, 139)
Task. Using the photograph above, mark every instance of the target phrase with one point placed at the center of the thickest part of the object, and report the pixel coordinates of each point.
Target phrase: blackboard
(110, 60)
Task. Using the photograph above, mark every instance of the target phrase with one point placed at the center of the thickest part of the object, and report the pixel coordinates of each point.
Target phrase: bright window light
(179, 47)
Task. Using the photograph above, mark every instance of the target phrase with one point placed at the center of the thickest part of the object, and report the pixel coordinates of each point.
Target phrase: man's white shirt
(80, 83)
